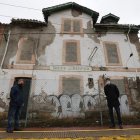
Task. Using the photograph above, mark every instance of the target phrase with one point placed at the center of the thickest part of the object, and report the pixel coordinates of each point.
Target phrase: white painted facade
(48, 81)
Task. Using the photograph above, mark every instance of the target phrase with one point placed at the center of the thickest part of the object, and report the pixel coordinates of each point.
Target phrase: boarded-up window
(71, 52)
(71, 85)
(67, 25)
(27, 50)
(71, 26)
(112, 53)
(76, 26)
(25, 53)
(120, 84)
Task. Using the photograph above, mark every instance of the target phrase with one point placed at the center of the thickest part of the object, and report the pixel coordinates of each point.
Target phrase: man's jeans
(117, 109)
(13, 114)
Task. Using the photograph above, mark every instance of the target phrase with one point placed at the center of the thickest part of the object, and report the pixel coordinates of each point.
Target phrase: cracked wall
(2, 42)
(135, 40)
(42, 37)
(91, 33)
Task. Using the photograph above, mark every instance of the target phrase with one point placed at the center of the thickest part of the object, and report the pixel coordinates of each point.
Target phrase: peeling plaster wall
(2, 42)
(135, 41)
(46, 38)
(87, 41)
(45, 95)
(125, 47)
(41, 37)
(16, 34)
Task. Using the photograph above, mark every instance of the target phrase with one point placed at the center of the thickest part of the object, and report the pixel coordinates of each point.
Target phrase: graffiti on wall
(3, 105)
(66, 105)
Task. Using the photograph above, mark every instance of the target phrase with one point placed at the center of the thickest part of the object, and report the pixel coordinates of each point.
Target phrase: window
(25, 53)
(71, 52)
(112, 54)
(71, 25)
(120, 84)
(71, 85)
(90, 83)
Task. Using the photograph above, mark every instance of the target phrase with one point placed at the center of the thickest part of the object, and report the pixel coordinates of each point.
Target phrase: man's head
(107, 80)
(21, 82)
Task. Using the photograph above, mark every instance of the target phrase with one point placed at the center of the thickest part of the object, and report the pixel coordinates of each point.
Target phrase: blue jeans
(13, 114)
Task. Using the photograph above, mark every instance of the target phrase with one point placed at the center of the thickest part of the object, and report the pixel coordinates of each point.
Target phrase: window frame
(72, 29)
(78, 62)
(106, 54)
(70, 76)
(19, 51)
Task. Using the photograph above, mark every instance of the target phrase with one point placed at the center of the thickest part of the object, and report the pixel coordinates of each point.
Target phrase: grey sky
(127, 10)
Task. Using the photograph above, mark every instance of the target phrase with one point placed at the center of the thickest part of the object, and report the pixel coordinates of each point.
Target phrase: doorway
(26, 92)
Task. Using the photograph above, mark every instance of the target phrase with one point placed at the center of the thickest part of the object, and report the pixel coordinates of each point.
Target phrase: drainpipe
(6, 48)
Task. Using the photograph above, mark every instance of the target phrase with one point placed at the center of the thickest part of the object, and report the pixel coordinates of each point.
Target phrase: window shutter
(112, 53)
(26, 50)
(120, 84)
(76, 26)
(71, 85)
(67, 25)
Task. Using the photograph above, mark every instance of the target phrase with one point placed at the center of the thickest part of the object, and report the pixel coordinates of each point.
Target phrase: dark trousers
(117, 109)
(13, 114)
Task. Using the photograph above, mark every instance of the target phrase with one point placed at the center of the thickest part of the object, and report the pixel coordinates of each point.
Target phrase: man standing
(16, 102)
(112, 95)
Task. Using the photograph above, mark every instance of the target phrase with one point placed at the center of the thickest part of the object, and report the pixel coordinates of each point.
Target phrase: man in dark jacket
(112, 95)
(16, 102)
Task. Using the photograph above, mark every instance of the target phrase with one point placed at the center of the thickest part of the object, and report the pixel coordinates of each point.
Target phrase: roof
(26, 22)
(110, 18)
(3, 24)
(124, 27)
(50, 10)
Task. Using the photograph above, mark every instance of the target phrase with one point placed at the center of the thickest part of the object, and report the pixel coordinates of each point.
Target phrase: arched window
(25, 53)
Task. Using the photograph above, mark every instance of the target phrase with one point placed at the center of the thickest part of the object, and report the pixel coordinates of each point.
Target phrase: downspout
(6, 48)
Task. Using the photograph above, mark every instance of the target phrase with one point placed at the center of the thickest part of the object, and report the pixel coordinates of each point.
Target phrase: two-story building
(65, 59)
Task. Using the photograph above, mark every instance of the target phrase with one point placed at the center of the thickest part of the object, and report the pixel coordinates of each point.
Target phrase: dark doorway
(26, 90)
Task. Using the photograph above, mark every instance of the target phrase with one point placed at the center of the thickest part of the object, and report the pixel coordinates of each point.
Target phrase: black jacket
(16, 96)
(112, 94)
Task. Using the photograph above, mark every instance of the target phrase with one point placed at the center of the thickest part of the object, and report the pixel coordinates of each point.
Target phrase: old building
(65, 59)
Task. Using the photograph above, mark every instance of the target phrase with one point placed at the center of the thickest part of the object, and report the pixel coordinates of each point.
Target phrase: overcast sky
(127, 10)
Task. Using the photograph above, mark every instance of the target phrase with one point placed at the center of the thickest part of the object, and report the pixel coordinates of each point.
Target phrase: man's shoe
(17, 129)
(120, 126)
(9, 131)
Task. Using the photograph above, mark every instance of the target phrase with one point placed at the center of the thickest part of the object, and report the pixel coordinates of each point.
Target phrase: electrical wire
(17, 6)
(7, 16)
(59, 24)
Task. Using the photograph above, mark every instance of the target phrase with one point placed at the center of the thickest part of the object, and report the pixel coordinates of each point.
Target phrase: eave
(50, 10)
(116, 27)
